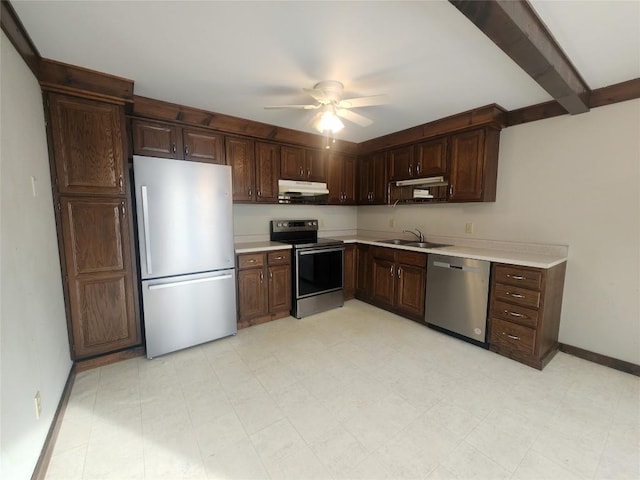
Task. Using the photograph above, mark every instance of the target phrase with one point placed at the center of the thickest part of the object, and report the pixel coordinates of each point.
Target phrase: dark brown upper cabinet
(474, 166)
(401, 163)
(341, 179)
(430, 158)
(297, 163)
(267, 172)
(372, 179)
(159, 139)
(88, 148)
(239, 154)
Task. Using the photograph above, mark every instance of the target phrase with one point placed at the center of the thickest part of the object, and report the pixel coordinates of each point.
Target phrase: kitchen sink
(413, 243)
(397, 241)
(425, 244)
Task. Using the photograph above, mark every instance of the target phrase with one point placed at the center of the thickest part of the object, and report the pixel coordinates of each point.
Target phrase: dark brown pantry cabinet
(87, 150)
(264, 286)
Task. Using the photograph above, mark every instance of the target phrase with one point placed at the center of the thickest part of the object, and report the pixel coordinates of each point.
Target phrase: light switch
(468, 228)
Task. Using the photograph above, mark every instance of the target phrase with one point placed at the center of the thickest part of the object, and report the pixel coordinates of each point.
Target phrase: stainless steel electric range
(317, 270)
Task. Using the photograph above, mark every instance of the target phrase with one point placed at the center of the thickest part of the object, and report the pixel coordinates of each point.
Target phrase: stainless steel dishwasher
(457, 295)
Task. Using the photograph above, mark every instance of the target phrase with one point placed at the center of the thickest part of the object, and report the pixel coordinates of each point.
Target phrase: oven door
(318, 270)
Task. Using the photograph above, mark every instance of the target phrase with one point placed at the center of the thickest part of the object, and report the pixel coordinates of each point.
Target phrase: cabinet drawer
(250, 260)
(280, 257)
(522, 277)
(517, 295)
(514, 313)
(512, 336)
(411, 258)
(383, 253)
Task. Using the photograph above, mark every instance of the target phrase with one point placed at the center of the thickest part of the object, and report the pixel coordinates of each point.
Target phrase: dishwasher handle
(464, 268)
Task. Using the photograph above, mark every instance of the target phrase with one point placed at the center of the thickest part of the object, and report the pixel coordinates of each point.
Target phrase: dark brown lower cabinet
(398, 281)
(98, 270)
(349, 271)
(363, 283)
(264, 286)
(524, 312)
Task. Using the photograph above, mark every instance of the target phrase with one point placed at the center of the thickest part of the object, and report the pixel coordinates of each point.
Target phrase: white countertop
(250, 247)
(528, 255)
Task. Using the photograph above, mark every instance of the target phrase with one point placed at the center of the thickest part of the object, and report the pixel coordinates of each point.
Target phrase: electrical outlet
(38, 404)
(321, 222)
(468, 228)
(392, 223)
(34, 186)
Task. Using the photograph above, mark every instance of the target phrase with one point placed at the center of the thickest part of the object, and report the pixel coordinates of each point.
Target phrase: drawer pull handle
(516, 295)
(512, 337)
(514, 314)
(278, 258)
(253, 260)
(516, 277)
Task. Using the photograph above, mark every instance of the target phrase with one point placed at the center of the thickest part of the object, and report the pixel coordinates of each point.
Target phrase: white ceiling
(236, 57)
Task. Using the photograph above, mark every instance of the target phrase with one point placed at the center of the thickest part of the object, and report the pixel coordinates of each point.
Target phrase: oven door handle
(320, 250)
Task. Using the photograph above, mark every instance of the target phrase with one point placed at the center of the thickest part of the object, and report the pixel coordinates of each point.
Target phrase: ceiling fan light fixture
(329, 121)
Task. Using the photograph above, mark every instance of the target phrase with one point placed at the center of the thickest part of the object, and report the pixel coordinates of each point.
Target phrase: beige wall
(572, 180)
(252, 221)
(34, 355)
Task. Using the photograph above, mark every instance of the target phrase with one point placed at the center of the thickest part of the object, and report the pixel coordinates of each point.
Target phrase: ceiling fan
(327, 95)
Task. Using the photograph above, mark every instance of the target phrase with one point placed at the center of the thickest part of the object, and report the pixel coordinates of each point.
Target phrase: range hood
(297, 191)
(425, 181)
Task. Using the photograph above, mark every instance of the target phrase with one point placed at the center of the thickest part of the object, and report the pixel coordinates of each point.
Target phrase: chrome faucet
(418, 235)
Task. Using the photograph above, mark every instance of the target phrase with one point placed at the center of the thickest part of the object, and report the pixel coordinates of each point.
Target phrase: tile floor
(354, 393)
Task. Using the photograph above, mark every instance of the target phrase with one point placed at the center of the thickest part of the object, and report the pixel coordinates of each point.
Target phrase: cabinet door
(95, 236)
(410, 291)
(203, 146)
(240, 157)
(349, 271)
(88, 146)
(431, 158)
(364, 180)
(279, 288)
(292, 163)
(378, 181)
(156, 139)
(467, 166)
(348, 179)
(252, 296)
(383, 280)
(334, 178)
(401, 163)
(267, 172)
(316, 165)
(363, 285)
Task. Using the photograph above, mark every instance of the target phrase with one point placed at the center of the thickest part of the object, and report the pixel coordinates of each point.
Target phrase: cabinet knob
(391, 270)
(259, 193)
(261, 277)
(174, 149)
(186, 150)
(308, 172)
(399, 271)
(250, 192)
(120, 181)
(123, 209)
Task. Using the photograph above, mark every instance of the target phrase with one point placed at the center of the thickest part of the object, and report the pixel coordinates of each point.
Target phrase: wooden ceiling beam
(515, 27)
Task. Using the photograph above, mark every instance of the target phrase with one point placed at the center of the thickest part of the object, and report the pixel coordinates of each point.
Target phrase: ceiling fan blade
(364, 101)
(318, 95)
(354, 117)
(299, 107)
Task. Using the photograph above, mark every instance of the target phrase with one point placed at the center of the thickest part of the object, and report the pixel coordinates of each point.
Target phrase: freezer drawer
(187, 310)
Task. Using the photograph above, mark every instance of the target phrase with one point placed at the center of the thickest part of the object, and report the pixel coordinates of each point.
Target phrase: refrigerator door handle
(145, 222)
(189, 282)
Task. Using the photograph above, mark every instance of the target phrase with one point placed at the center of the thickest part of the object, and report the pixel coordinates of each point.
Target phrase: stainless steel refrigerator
(185, 235)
